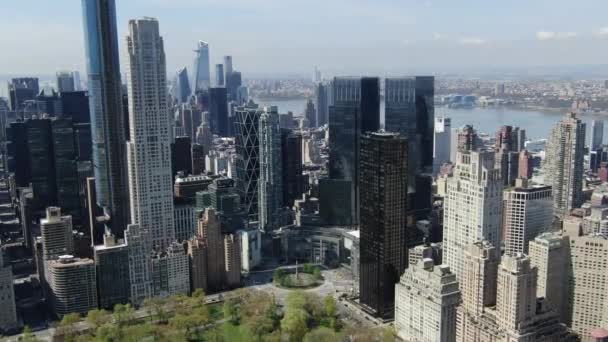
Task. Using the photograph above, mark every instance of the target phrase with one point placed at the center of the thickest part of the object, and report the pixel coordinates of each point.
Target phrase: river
(537, 123)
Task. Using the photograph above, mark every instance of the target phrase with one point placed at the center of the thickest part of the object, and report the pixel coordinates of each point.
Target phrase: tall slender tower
(472, 206)
(516, 292)
(202, 75)
(597, 134)
(271, 164)
(355, 111)
(149, 147)
(247, 145)
(441, 143)
(564, 163)
(107, 117)
(383, 251)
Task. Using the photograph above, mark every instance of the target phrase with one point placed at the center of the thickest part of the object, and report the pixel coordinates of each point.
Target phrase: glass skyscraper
(202, 75)
(356, 110)
(107, 117)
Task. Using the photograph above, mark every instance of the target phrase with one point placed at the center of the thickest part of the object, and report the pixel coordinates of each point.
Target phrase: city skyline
(401, 36)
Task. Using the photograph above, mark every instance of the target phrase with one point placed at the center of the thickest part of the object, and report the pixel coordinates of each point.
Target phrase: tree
(296, 300)
(66, 326)
(321, 334)
(183, 324)
(279, 274)
(98, 317)
(123, 314)
(330, 310)
(28, 335)
(316, 272)
(308, 268)
(231, 312)
(137, 332)
(295, 323)
(156, 309)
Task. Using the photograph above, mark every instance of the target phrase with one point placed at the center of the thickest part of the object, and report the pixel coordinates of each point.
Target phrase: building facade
(563, 165)
(528, 212)
(149, 147)
(472, 206)
(202, 75)
(271, 175)
(72, 285)
(112, 269)
(56, 233)
(426, 298)
(139, 245)
(383, 254)
(247, 158)
(441, 143)
(107, 117)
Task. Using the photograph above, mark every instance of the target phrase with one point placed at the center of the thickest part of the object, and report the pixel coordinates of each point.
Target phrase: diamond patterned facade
(247, 160)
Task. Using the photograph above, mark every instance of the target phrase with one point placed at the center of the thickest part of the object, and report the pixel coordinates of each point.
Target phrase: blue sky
(340, 36)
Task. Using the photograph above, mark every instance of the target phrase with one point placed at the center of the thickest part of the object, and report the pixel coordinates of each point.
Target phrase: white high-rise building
(442, 143)
(140, 267)
(202, 73)
(56, 233)
(251, 249)
(8, 313)
(516, 291)
(596, 222)
(426, 298)
(478, 282)
(563, 165)
(149, 147)
(549, 254)
(472, 206)
(171, 271)
(589, 279)
(528, 212)
(597, 134)
(270, 191)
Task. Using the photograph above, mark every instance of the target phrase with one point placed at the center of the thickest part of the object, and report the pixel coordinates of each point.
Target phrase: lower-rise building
(72, 285)
(426, 298)
(232, 260)
(8, 311)
(171, 272)
(112, 267)
(140, 268)
(197, 254)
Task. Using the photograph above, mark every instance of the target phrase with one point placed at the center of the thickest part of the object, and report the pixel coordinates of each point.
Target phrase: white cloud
(601, 32)
(472, 41)
(552, 35)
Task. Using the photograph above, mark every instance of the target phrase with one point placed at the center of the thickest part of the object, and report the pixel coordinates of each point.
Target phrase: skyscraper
(219, 75)
(210, 232)
(149, 147)
(271, 174)
(182, 84)
(383, 248)
(516, 291)
(472, 206)
(218, 111)
(202, 76)
(527, 212)
(233, 83)
(227, 65)
(549, 255)
(107, 117)
(247, 144)
(65, 82)
(311, 114)
(426, 299)
(525, 167)
(442, 142)
(597, 134)
(563, 163)
(321, 104)
(291, 151)
(463, 139)
(356, 110)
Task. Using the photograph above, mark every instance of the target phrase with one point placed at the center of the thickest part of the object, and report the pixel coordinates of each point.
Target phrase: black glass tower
(355, 110)
(218, 111)
(383, 252)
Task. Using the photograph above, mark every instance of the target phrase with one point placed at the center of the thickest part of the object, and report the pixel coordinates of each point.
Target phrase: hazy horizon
(289, 37)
